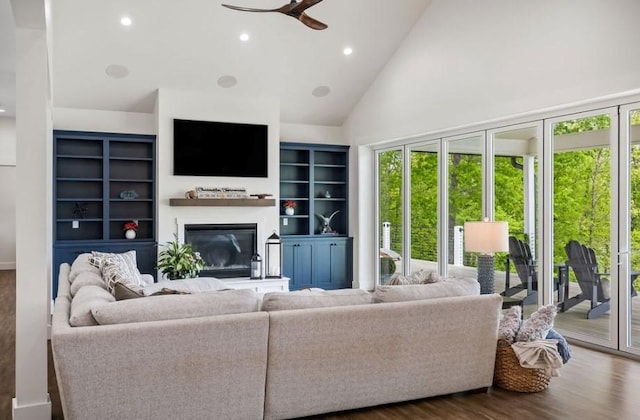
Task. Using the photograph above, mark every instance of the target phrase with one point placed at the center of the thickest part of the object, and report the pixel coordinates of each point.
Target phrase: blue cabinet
(101, 181)
(332, 263)
(316, 178)
(318, 262)
(297, 258)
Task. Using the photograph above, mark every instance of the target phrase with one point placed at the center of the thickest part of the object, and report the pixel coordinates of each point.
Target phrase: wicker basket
(511, 376)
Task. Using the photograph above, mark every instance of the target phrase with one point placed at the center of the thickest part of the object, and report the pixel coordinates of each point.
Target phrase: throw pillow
(510, 324)
(303, 299)
(117, 268)
(122, 291)
(398, 280)
(537, 326)
(432, 277)
(84, 301)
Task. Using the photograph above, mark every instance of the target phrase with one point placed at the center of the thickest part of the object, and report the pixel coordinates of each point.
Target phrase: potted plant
(289, 207)
(179, 261)
(130, 229)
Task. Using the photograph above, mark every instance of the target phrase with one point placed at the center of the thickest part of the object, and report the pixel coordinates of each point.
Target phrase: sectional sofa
(230, 354)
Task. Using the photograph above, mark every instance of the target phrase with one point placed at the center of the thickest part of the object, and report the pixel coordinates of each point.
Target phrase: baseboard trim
(7, 265)
(41, 411)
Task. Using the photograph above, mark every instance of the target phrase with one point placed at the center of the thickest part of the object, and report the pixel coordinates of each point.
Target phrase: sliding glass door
(629, 263)
(584, 216)
(465, 198)
(424, 207)
(390, 212)
(515, 167)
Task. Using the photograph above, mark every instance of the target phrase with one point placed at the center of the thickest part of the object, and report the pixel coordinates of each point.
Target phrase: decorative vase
(289, 211)
(130, 234)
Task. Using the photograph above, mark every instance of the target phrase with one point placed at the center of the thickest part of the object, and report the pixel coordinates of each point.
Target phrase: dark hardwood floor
(593, 385)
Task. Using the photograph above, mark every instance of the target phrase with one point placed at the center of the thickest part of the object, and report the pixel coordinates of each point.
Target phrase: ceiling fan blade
(303, 5)
(249, 9)
(311, 22)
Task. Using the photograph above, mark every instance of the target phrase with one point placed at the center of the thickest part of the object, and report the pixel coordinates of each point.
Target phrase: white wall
(300, 133)
(7, 193)
(104, 121)
(468, 61)
(202, 106)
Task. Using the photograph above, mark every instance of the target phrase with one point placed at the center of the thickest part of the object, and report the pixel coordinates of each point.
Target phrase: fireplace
(226, 248)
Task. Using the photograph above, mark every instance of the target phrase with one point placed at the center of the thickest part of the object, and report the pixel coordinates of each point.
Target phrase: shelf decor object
(273, 249)
(486, 238)
(289, 207)
(130, 229)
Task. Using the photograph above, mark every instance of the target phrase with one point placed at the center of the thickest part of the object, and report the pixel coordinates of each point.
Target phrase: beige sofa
(273, 364)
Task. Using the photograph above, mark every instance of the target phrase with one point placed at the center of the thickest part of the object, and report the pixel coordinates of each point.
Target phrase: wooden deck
(573, 320)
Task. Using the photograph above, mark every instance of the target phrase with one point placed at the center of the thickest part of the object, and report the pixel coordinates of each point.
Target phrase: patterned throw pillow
(118, 268)
(537, 326)
(510, 324)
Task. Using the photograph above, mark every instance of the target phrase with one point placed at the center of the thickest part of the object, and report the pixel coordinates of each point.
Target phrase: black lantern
(273, 249)
(256, 266)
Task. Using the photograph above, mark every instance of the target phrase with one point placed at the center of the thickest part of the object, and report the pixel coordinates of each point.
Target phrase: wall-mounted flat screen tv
(208, 148)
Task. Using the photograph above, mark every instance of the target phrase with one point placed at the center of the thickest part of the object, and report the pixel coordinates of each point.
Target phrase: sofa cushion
(81, 264)
(302, 299)
(445, 288)
(87, 298)
(196, 285)
(87, 278)
(177, 306)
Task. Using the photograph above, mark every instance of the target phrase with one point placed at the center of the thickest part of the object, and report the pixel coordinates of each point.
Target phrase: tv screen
(207, 148)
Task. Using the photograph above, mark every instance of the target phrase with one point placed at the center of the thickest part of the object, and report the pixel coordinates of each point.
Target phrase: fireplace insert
(226, 248)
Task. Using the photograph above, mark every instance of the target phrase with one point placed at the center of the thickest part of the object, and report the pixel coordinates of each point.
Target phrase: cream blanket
(540, 354)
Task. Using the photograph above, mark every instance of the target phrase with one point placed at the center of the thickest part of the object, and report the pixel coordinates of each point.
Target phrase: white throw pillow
(118, 268)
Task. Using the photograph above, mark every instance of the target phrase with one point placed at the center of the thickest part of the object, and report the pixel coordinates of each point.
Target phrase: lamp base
(486, 274)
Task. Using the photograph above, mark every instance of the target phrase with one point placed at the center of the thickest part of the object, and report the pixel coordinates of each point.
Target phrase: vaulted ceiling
(194, 45)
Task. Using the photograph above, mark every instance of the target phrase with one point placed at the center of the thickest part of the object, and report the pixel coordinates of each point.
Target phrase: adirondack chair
(594, 285)
(520, 256)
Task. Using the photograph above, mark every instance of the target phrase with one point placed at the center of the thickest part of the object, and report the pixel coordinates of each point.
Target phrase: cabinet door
(332, 268)
(297, 261)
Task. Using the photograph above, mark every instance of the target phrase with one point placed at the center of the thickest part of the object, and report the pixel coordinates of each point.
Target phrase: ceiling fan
(294, 9)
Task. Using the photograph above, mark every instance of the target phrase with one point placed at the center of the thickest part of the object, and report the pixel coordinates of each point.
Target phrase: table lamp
(485, 238)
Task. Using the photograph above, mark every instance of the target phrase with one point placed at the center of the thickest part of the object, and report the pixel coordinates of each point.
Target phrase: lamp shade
(486, 237)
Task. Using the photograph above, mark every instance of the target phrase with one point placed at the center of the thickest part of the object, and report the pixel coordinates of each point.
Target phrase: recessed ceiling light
(2, 110)
(125, 21)
(227, 81)
(347, 51)
(321, 91)
(244, 37)
(117, 71)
